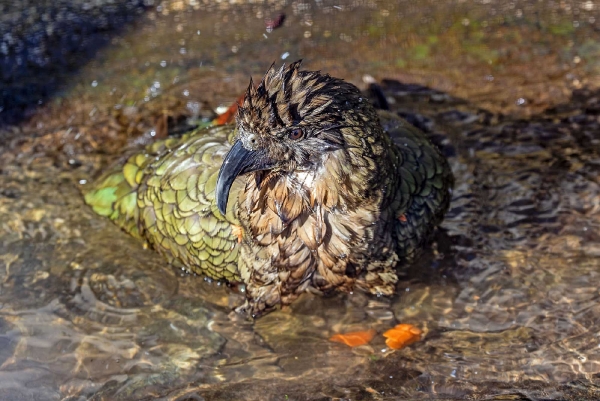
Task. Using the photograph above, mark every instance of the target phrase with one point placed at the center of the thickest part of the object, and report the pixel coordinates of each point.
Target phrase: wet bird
(311, 189)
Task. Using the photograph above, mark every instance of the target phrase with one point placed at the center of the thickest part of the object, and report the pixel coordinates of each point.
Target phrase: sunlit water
(507, 295)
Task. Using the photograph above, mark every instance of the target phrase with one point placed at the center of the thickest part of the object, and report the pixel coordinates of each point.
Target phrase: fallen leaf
(229, 114)
(354, 338)
(275, 22)
(402, 335)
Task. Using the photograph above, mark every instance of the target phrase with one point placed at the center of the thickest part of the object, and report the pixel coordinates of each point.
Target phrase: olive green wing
(178, 213)
(423, 194)
(112, 196)
(165, 195)
(114, 193)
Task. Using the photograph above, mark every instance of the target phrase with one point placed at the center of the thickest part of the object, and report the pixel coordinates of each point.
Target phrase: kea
(311, 189)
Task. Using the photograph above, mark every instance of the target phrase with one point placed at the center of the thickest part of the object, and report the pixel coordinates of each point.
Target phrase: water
(507, 295)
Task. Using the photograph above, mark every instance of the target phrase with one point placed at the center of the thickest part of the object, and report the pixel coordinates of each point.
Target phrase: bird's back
(423, 193)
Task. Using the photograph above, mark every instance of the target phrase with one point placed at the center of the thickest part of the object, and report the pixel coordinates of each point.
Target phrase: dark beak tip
(222, 193)
(222, 206)
(235, 162)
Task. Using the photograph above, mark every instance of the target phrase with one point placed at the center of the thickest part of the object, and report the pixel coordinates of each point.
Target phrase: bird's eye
(296, 133)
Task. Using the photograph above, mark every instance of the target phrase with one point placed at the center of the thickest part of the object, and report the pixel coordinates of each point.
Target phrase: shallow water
(507, 295)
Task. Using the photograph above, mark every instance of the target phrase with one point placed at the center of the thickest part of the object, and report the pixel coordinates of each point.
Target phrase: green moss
(562, 28)
(400, 62)
(420, 52)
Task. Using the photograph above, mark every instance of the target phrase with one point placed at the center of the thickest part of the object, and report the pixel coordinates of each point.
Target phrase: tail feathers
(115, 196)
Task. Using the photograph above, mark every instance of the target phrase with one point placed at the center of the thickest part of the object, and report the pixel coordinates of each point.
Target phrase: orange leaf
(402, 335)
(229, 114)
(354, 338)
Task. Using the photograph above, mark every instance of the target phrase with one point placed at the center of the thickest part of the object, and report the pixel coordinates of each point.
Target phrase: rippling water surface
(507, 294)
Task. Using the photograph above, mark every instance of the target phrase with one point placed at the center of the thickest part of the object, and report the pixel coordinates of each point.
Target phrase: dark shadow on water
(43, 43)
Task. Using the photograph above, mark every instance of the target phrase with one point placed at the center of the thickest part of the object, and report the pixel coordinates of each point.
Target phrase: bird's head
(290, 122)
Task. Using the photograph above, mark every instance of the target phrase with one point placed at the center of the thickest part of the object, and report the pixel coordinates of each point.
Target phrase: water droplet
(285, 55)
(368, 79)
(221, 109)
(194, 107)
(94, 83)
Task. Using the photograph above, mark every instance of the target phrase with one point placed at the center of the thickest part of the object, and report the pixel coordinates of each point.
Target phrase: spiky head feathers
(308, 123)
(296, 116)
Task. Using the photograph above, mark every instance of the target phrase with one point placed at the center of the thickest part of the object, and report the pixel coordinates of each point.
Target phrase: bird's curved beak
(238, 161)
